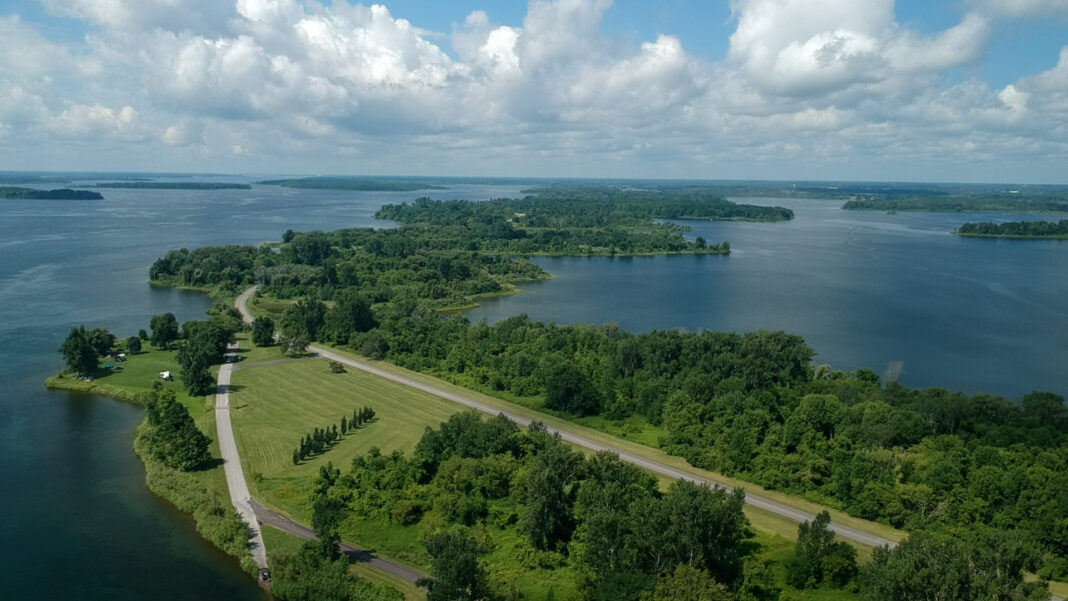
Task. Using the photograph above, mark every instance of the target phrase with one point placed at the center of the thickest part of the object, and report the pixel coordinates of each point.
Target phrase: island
(534, 460)
(958, 203)
(60, 194)
(1022, 230)
(353, 184)
(174, 185)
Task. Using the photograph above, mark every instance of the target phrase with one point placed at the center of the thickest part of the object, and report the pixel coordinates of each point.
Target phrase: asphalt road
(235, 476)
(796, 515)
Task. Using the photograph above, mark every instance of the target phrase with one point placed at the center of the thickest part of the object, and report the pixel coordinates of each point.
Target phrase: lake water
(864, 289)
(76, 521)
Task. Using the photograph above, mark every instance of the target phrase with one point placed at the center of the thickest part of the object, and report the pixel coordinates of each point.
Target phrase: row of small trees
(321, 438)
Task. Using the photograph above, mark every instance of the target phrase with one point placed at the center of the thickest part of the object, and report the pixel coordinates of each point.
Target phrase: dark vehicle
(265, 575)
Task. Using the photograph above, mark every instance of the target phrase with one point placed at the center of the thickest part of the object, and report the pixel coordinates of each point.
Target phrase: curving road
(797, 515)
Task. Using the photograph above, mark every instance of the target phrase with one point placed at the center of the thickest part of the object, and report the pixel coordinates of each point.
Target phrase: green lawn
(272, 407)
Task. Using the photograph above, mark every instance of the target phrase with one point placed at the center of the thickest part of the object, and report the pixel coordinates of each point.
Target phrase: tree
(568, 389)
(295, 345)
(935, 566)
(142, 334)
(263, 331)
(133, 345)
(204, 345)
(693, 525)
(351, 314)
(164, 330)
(455, 572)
(688, 583)
(603, 510)
(549, 496)
(818, 558)
(78, 352)
(172, 436)
(102, 340)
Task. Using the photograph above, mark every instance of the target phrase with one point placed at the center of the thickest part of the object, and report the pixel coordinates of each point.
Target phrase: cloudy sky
(916, 90)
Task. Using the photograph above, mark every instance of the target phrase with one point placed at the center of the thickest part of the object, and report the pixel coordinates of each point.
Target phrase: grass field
(272, 407)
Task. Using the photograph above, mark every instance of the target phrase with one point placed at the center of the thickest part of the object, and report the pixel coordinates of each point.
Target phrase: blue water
(76, 521)
(865, 289)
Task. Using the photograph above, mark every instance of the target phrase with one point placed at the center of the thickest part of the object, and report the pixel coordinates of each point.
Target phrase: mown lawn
(273, 407)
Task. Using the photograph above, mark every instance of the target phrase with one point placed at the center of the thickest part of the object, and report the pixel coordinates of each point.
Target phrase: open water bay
(864, 289)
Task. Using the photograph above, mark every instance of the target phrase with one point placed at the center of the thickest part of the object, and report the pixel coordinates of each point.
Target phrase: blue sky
(963, 90)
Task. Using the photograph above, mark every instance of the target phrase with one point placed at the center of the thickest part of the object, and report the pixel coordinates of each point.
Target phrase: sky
(875, 90)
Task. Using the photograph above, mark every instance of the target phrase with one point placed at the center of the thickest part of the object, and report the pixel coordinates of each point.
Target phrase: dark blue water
(76, 521)
(865, 289)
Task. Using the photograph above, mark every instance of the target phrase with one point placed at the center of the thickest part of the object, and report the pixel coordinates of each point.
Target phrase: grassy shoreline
(1010, 236)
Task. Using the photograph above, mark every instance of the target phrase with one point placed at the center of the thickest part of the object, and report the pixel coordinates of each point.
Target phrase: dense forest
(959, 203)
(60, 194)
(351, 184)
(1016, 229)
(174, 185)
(748, 405)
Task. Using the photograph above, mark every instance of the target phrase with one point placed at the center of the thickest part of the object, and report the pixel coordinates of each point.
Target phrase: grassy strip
(636, 448)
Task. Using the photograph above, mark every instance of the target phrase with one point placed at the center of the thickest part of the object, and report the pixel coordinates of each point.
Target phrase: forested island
(60, 194)
(1016, 229)
(1012, 203)
(174, 185)
(351, 184)
(976, 479)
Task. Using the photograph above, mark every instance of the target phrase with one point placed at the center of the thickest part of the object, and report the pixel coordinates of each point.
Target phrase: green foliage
(987, 567)
(78, 352)
(204, 344)
(309, 576)
(263, 331)
(688, 583)
(102, 340)
(568, 389)
(696, 526)
(216, 519)
(170, 436)
(549, 496)
(60, 194)
(133, 345)
(352, 184)
(455, 571)
(818, 558)
(351, 314)
(1016, 229)
(227, 266)
(164, 330)
(174, 186)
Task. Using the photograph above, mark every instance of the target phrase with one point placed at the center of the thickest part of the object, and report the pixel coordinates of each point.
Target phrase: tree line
(1016, 229)
(319, 440)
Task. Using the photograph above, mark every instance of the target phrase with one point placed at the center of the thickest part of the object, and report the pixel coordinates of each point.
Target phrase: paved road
(276, 520)
(764, 503)
(235, 476)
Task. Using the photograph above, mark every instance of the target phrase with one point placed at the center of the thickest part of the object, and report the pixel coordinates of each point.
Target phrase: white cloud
(816, 47)
(253, 83)
(1023, 8)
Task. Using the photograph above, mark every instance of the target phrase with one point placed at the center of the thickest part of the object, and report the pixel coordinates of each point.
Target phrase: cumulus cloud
(1023, 8)
(280, 80)
(814, 47)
